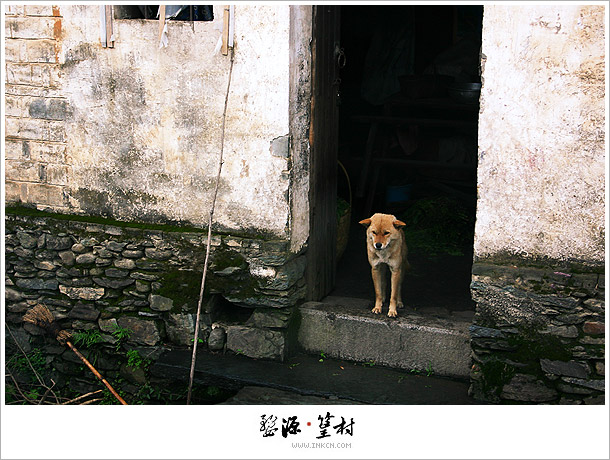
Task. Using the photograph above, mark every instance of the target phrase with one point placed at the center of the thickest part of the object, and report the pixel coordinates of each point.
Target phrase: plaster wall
(141, 126)
(541, 134)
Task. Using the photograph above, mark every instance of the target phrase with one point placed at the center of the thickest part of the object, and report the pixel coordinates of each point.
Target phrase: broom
(41, 316)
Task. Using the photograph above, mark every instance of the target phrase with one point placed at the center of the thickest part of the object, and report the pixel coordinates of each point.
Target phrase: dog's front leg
(395, 296)
(377, 273)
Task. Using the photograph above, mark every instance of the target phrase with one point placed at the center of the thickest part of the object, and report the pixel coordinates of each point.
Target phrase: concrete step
(433, 342)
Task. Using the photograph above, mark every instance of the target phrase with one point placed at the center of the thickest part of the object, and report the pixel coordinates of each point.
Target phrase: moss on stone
(531, 345)
(167, 226)
(223, 259)
(495, 373)
(182, 286)
(505, 258)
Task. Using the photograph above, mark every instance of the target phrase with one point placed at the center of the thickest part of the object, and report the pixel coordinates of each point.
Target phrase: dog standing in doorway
(386, 247)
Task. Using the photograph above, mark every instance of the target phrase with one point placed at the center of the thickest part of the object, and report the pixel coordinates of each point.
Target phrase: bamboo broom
(41, 316)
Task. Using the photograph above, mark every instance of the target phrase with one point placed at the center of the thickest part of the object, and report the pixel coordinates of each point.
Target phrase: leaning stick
(209, 240)
(41, 316)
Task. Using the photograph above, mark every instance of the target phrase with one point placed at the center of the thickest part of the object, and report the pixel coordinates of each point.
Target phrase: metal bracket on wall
(106, 33)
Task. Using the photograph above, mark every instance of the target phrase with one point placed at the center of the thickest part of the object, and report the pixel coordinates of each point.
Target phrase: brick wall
(35, 110)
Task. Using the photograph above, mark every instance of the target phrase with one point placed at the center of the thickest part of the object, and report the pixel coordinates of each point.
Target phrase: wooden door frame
(323, 140)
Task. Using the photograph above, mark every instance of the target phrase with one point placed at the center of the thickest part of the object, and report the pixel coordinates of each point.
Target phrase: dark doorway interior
(408, 141)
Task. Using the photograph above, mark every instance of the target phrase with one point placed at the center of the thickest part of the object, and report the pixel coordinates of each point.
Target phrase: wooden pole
(209, 240)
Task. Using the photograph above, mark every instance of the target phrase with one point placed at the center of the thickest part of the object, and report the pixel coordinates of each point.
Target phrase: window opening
(173, 12)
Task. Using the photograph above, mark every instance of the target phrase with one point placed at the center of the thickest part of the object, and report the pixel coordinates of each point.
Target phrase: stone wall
(539, 249)
(96, 277)
(538, 335)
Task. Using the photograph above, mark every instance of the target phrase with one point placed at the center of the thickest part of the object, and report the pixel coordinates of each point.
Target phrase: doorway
(407, 144)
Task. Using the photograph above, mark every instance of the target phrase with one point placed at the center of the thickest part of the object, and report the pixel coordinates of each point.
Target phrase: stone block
(180, 328)
(135, 375)
(83, 293)
(593, 384)
(13, 10)
(145, 264)
(160, 303)
(44, 265)
(568, 332)
(595, 305)
(14, 192)
(30, 28)
(526, 388)
(407, 342)
(89, 242)
(143, 332)
(217, 339)
(13, 150)
(287, 275)
(14, 106)
(67, 258)
(280, 146)
(256, 343)
(600, 399)
(565, 368)
(26, 240)
(600, 368)
(270, 318)
(17, 307)
(43, 194)
(126, 264)
(42, 50)
(158, 254)
(48, 108)
(37, 284)
(116, 273)
(56, 174)
(594, 328)
(84, 311)
(108, 325)
(87, 258)
(11, 295)
(41, 10)
(142, 286)
(485, 332)
(59, 243)
(20, 170)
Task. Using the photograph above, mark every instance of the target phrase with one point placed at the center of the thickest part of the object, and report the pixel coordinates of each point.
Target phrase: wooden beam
(161, 21)
(109, 37)
(225, 30)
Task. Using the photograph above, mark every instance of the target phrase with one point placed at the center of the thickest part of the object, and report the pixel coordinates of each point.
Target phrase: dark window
(173, 12)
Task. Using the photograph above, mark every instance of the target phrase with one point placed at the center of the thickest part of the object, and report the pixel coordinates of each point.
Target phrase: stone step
(435, 342)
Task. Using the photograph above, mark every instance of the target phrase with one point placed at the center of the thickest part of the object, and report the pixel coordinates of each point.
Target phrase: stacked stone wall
(99, 278)
(538, 335)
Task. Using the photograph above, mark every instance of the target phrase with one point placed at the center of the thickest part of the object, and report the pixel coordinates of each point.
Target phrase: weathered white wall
(541, 133)
(143, 124)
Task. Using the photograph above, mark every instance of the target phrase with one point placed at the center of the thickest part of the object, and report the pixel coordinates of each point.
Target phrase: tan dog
(386, 246)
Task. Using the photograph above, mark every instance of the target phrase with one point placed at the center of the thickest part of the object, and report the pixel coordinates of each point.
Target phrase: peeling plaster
(143, 126)
(541, 133)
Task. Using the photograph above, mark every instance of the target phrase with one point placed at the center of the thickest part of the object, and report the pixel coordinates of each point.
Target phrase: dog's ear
(399, 223)
(365, 222)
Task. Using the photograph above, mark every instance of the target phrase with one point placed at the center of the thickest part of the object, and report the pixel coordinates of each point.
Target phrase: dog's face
(382, 229)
